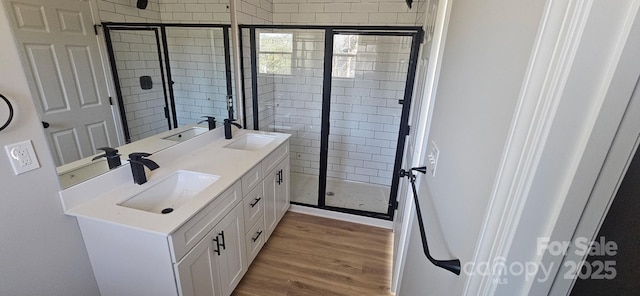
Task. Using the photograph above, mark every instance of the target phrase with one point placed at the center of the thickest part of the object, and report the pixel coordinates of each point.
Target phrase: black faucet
(112, 156)
(227, 128)
(211, 120)
(138, 162)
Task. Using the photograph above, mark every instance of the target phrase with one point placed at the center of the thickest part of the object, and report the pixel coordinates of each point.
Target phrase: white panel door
(61, 55)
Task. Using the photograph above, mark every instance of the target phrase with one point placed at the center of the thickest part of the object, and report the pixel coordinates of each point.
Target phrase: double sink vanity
(198, 222)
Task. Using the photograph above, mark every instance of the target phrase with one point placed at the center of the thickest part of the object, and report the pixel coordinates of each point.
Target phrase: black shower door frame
(165, 65)
(417, 35)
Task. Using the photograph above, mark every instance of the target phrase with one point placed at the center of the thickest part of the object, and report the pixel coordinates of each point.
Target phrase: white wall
(487, 49)
(42, 252)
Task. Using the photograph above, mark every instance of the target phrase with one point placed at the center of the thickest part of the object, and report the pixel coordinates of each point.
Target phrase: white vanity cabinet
(206, 253)
(204, 256)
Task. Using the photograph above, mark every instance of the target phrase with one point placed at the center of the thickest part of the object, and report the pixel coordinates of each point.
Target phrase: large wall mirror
(136, 83)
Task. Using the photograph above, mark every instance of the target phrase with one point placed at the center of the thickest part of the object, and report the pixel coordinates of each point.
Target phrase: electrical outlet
(22, 157)
(432, 158)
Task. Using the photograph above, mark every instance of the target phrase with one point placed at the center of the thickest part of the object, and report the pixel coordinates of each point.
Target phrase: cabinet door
(231, 237)
(197, 272)
(282, 195)
(270, 202)
(276, 194)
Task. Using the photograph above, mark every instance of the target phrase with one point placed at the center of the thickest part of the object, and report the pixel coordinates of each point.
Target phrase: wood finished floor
(308, 255)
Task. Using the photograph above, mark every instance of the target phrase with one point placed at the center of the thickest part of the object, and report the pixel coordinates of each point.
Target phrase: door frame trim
(516, 195)
(621, 116)
(422, 125)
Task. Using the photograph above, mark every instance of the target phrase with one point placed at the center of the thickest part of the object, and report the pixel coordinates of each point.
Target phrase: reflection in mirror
(196, 62)
(167, 78)
(199, 60)
(137, 67)
(66, 65)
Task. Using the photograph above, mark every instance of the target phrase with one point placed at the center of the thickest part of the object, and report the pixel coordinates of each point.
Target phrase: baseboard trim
(342, 216)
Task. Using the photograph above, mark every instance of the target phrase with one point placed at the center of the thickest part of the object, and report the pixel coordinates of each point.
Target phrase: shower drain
(329, 193)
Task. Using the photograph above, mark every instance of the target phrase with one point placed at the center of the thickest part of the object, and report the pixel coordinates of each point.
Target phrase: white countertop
(98, 198)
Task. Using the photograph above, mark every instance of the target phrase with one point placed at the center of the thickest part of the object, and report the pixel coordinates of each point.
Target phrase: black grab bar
(450, 265)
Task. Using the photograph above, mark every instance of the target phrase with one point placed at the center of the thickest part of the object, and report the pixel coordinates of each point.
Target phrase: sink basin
(251, 142)
(171, 192)
(186, 134)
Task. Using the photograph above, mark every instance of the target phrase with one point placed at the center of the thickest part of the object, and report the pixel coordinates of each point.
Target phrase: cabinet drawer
(188, 235)
(272, 160)
(253, 206)
(251, 179)
(255, 240)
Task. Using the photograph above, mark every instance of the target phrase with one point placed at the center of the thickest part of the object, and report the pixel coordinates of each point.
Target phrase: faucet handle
(112, 156)
(108, 150)
(138, 155)
(137, 164)
(211, 120)
(108, 153)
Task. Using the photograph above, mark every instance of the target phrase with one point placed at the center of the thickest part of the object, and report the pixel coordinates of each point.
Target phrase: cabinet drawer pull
(217, 249)
(222, 244)
(254, 239)
(255, 202)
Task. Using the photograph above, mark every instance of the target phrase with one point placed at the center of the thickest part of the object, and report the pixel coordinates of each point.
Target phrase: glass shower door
(343, 93)
(368, 80)
(289, 72)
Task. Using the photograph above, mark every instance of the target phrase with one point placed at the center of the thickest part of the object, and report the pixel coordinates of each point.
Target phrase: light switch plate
(22, 157)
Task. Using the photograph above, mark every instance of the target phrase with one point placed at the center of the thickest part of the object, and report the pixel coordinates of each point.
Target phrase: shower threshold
(340, 193)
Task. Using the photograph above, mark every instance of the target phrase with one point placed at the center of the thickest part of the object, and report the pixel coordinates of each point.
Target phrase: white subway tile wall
(345, 12)
(255, 12)
(195, 11)
(365, 113)
(136, 55)
(298, 100)
(126, 11)
(199, 73)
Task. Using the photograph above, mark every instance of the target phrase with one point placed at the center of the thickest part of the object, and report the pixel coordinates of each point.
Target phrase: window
(345, 49)
(275, 51)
